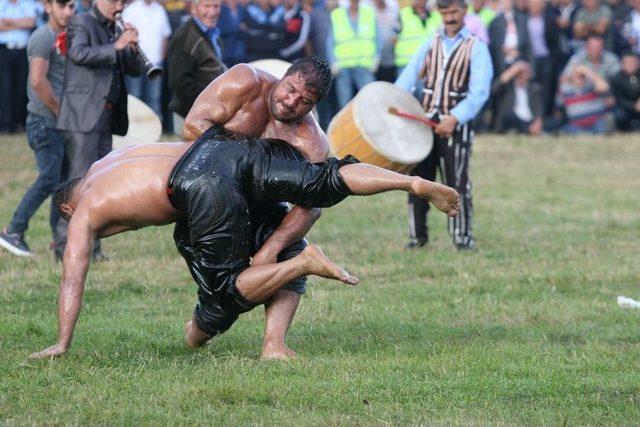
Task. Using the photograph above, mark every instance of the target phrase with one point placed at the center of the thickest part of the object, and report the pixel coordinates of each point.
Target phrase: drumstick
(396, 112)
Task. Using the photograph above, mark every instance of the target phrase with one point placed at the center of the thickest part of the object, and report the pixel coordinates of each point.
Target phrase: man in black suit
(93, 104)
(518, 100)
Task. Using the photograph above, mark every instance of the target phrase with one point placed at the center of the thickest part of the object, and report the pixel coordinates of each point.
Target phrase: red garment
(61, 43)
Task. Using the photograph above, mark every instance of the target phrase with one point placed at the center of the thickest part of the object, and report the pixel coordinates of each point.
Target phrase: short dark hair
(443, 4)
(63, 194)
(60, 2)
(315, 72)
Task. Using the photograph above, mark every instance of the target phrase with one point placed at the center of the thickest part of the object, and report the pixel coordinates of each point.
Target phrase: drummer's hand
(447, 126)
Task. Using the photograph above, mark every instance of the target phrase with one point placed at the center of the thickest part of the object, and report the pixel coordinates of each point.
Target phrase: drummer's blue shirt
(481, 73)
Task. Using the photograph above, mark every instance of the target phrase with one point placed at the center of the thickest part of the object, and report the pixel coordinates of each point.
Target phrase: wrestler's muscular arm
(312, 143)
(219, 102)
(80, 238)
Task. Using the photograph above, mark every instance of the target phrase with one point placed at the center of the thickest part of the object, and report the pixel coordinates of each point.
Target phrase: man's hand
(535, 128)
(447, 126)
(53, 351)
(637, 106)
(128, 37)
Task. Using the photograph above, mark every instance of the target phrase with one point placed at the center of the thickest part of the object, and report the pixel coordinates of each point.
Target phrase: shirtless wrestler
(249, 102)
(211, 185)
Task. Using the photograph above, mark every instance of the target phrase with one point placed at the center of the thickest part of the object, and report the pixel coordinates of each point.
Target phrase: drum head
(144, 126)
(276, 67)
(396, 138)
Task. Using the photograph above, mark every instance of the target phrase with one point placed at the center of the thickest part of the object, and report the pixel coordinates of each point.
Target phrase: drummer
(451, 73)
(248, 102)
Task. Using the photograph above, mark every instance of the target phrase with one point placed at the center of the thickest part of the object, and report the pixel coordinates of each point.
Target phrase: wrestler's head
(306, 82)
(453, 13)
(63, 197)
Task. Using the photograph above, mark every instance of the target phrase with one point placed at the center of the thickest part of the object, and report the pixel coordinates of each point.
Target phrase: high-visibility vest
(413, 34)
(486, 15)
(351, 49)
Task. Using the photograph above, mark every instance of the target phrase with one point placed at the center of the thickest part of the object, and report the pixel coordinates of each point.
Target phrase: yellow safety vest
(413, 34)
(351, 49)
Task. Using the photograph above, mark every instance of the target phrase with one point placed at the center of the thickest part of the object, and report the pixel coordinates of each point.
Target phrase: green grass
(523, 330)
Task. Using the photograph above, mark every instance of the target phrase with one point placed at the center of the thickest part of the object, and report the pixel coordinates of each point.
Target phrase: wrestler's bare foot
(317, 263)
(441, 196)
(193, 336)
(277, 351)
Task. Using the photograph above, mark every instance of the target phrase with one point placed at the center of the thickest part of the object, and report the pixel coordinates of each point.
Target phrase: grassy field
(523, 330)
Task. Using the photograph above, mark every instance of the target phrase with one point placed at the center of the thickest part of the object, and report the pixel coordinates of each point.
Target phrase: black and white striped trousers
(451, 157)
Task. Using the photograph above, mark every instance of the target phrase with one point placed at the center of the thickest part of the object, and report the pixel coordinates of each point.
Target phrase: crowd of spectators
(560, 66)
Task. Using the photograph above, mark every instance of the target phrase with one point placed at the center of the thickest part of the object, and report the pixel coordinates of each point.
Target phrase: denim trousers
(47, 143)
(148, 91)
(349, 79)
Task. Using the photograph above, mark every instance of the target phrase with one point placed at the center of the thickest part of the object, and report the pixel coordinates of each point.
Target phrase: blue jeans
(149, 91)
(598, 128)
(47, 143)
(348, 79)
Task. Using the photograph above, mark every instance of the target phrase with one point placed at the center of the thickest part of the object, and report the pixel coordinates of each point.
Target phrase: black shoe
(417, 243)
(465, 244)
(14, 243)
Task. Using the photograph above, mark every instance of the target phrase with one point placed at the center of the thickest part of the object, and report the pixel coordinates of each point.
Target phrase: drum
(366, 129)
(276, 67)
(144, 125)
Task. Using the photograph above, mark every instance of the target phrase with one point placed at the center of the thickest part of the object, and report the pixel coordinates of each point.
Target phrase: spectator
(230, 24)
(153, 21)
(631, 27)
(93, 105)
(46, 73)
(178, 12)
(297, 26)
(416, 25)
(387, 20)
(544, 41)
(194, 57)
(565, 18)
(584, 96)
(519, 103)
(355, 48)
(626, 89)
(508, 38)
(595, 57)
(319, 36)
(592, 18)
(484, 13)
(265, 32)
(17, 18)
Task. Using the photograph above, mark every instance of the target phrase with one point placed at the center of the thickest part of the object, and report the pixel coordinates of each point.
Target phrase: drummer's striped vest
(447, 79)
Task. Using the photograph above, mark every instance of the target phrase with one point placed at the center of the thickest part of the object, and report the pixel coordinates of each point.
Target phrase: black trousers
(451, 157)
(14, 69)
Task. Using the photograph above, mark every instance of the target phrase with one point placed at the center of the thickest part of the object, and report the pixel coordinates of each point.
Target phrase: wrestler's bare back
(127, 189)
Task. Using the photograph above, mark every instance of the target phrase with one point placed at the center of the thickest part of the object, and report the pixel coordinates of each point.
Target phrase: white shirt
(521, 106)
(152, 23)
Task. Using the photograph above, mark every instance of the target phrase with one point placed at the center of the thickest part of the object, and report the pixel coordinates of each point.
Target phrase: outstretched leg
(364, 179)
(256, 284)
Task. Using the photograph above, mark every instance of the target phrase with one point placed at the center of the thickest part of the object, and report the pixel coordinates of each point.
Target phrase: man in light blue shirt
(17, 19)
(451, 74)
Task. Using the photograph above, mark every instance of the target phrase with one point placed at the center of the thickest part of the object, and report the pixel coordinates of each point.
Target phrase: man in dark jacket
(626, 88)
(93, 105)
(518, 100)
(195, 53)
